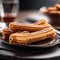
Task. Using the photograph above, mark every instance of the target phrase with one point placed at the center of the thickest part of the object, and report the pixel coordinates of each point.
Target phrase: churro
(5, 33)
(54, 14)
(24, 39)
(23, 34)
(52, 9)
(14, 26)
(43, 21)
(57, 6)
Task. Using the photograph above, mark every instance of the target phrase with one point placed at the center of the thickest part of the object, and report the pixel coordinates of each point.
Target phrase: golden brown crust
(5, 33)
(18, 38)
(53, 10)
(40, 22)
(14, 26)
(57, 6)
(37, 31)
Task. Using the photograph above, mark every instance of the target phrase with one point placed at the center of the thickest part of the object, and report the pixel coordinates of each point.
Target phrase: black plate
(41, 44)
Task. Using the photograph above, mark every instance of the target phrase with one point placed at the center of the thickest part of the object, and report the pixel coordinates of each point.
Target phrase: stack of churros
(53, 10)
(24, 34)
(54, 14)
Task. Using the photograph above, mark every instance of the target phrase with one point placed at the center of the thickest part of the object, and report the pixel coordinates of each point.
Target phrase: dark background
(36, 4)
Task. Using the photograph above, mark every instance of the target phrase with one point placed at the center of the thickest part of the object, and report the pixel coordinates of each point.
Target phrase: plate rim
(41, 46)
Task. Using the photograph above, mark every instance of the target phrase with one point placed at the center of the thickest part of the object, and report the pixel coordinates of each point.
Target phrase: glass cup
(9, 10)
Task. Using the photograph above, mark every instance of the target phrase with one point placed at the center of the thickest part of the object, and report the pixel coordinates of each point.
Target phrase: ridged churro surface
(40, 22)
(7, 31)
(27, 38)
(21, 33)
(14, 26)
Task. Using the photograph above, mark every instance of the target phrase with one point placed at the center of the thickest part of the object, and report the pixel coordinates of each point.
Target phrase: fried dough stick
(40, 22)
(24, 39)
(14, 26)
(6, 31)
(57, 6)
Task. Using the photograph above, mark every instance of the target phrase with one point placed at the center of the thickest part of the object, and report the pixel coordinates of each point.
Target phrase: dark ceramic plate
(43, 44)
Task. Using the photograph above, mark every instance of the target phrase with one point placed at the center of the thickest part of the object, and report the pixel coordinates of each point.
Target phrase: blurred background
(36, 4)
